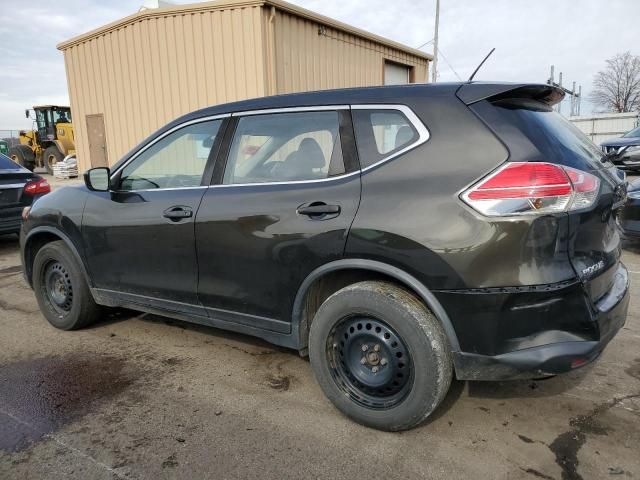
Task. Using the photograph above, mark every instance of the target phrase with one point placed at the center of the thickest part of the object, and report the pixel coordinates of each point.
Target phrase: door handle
(177, 213)
(317, 209)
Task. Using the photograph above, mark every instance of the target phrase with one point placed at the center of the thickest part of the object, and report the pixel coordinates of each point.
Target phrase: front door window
(176, 161)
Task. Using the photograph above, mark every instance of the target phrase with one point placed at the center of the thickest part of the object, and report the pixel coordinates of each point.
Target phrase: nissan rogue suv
(399, 236)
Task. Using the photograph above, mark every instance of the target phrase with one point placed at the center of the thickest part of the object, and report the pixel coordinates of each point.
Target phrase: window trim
(272, 111)
(423, 132)
(423, 137)
(115, 174)
(267, 111)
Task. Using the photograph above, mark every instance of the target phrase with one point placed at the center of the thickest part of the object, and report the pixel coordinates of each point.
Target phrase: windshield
(633, 133)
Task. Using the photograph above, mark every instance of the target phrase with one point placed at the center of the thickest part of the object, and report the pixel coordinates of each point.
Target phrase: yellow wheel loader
(50, 140)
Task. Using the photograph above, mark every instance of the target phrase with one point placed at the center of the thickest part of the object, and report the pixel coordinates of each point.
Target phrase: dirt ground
(140, 396)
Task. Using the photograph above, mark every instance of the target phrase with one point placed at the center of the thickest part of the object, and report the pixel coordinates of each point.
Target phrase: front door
(283, 207)
(140, 236)
(97, 141)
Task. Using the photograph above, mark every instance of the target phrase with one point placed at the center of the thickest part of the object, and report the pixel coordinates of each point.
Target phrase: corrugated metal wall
(148, 73)
(605, 126)
(145, 71)
(309, 57)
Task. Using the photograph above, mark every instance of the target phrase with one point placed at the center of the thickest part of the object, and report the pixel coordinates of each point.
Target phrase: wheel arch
(300, 315)
(39, 237)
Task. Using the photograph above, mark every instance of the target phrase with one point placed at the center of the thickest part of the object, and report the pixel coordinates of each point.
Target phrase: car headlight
(635, 195)
(635, 148)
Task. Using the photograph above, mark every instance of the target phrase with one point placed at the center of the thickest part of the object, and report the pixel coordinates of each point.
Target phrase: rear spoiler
(475, 92)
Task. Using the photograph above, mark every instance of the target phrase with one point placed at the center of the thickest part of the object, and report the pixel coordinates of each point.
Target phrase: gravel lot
(141, 396)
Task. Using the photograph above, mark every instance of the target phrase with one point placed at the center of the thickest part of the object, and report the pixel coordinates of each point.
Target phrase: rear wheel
(23, 155)
(50, 157)
(380, 355)
(61, 289)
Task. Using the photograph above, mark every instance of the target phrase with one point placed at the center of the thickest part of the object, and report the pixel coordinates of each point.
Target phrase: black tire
(61, 289)
(50, 157)
(423, 372)
(23, 155)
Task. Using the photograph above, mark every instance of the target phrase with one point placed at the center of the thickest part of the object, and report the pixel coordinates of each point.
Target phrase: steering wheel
(178, 181)
(133, 180)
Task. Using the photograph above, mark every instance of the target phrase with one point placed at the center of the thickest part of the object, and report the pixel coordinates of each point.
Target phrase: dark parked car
(630, 215)
(18, 189)
(398, 235)
(627, 148)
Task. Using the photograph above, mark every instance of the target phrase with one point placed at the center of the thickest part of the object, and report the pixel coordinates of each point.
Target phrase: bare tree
(617, 87)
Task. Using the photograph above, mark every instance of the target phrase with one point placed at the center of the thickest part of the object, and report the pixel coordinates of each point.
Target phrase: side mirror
(98, 179)
(26, 113)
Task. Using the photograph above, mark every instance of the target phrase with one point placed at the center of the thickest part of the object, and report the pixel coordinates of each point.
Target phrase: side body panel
(58, 211)
(411, 215)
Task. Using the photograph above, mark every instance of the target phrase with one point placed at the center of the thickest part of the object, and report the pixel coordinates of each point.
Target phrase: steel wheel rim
(57, 288)
(369, 362)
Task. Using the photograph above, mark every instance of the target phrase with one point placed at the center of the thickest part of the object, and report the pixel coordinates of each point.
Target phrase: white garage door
(395, 74)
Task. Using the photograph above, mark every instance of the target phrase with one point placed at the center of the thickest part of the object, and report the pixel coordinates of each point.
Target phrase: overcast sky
(529, 36)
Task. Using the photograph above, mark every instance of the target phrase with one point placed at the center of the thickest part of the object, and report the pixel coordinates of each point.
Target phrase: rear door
(280, 207)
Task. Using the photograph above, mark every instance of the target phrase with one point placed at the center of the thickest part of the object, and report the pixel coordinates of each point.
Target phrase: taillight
(38, 187)
(520, 188)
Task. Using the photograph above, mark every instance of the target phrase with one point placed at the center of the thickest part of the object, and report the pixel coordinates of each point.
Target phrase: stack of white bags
(67, 168)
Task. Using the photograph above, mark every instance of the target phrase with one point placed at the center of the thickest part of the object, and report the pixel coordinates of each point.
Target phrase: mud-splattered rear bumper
(609, 314)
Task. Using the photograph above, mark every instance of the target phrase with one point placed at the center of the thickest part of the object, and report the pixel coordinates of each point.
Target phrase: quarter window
(381, 133)
(178, 160)
(283, 147)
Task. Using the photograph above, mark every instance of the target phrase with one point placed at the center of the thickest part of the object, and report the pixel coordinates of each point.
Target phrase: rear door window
(381, 133)
(284, 147)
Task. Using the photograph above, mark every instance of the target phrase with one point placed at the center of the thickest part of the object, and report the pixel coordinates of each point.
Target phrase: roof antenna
(481, 63)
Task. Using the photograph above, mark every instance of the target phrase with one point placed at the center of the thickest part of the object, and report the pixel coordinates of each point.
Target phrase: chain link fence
(10, 136)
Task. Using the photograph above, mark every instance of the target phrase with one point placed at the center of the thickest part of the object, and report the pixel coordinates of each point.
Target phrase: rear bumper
(554, 357)
(10, 221)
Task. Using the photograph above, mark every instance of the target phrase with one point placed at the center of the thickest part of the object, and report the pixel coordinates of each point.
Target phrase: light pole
(434, 72)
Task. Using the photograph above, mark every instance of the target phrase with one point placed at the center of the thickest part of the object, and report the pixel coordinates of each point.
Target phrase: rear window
(7, 164)
(552, 135)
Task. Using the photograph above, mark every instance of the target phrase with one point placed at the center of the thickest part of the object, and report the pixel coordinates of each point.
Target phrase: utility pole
(434, 72)
(576, 96)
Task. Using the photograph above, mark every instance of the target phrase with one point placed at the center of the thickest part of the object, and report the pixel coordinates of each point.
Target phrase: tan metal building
(132, 76)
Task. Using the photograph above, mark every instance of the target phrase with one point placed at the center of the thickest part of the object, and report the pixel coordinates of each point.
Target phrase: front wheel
(50, 157)
(61, 289)
(380, 355)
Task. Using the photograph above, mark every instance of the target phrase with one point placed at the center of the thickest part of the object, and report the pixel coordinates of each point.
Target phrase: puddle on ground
(39, 396)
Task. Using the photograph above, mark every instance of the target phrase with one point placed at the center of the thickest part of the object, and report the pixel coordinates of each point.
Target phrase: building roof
(226, 4)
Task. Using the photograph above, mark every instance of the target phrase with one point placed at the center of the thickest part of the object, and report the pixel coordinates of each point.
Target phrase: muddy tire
(24, 156)
(380, 355)
(50, 157)
(61, 289)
